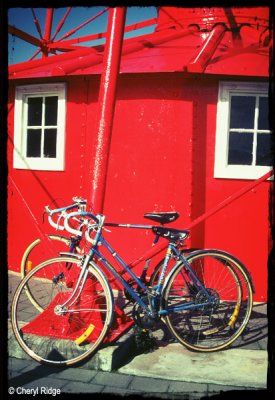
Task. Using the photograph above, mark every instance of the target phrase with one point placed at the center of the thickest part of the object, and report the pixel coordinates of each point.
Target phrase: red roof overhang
(220, 49)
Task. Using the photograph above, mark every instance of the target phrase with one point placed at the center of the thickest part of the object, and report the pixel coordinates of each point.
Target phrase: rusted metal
(106, 103)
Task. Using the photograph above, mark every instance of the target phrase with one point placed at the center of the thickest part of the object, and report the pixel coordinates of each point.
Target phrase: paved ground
(187, 375)
(29, 376)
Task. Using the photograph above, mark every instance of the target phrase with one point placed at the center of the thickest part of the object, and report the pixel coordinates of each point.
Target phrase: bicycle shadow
(256, 332)
(254, 336)
(33, 374)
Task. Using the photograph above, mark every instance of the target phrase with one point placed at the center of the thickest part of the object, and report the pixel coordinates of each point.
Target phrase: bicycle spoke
(209, 325)
(53, 333)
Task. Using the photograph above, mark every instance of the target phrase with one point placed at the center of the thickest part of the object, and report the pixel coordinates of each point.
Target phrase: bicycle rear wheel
(38, 250)
(208, 327)
(50, 334)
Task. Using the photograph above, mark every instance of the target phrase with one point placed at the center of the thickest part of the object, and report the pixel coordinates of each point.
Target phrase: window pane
(240, 148)
(33, 142)
(263, 122)
(51, 110)
(264, 155)
(50, 143)
(34, 111)
(242, 112)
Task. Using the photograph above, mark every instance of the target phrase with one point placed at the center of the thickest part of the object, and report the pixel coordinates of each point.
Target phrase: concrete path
(245, 368)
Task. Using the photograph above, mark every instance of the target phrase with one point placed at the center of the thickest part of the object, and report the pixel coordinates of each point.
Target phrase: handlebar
(99, 220)
(79, 203)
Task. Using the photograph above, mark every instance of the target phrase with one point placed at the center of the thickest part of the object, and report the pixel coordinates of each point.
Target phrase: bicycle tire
(27, 263)
(53, 338)
(209, 328)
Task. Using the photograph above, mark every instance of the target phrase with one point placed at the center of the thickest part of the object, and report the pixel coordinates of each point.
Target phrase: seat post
(167, 258)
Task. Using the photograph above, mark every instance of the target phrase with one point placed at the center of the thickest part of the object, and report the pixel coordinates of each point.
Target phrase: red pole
(106, 102)
(48, 28)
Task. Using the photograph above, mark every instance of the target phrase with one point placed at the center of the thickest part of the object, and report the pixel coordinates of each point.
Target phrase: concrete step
(108, 358)
(239, 367)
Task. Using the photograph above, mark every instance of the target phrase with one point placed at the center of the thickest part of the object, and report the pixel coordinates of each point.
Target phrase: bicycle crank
(141, 318)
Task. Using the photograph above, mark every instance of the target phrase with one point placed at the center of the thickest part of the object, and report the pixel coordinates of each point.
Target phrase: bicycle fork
(62, 309)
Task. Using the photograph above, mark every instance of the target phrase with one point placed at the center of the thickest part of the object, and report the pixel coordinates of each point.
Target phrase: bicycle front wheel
(38, 251)
(208, 326)
(55, 334)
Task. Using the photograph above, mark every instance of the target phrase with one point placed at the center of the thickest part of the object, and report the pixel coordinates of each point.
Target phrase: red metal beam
(47, 33)
(64, 48)
(230, 199)
(158, 248)
(211, 43)
(36, 23)
(35, 54)
(61, 23)
(24, 36)
(48, 25)
(139, 44)
(27, 65)
(81, 26)
(106, 103)
(96, 36)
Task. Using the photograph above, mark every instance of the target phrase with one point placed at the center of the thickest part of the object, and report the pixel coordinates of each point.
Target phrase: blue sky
(22, 18)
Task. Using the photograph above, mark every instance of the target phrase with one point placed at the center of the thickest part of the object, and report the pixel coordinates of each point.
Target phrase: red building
(190, 132)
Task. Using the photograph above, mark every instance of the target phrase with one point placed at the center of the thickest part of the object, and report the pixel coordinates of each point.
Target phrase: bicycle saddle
(173, 235)
(162, 217)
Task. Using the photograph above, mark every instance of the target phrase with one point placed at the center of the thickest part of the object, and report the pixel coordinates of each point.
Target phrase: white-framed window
(39, 127)
(243, 147)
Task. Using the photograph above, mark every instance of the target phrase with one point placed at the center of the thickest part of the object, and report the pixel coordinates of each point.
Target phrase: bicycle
(53, 242)
(73, 243)
(33, 251)
(205, 300)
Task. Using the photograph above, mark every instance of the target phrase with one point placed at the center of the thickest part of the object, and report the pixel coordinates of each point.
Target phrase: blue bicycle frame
(155, 292)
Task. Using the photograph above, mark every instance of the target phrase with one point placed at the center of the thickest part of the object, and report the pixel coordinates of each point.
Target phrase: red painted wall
(161, 159)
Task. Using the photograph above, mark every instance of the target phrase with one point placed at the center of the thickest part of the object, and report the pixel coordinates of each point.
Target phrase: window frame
(221, 167)
(20, 160)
